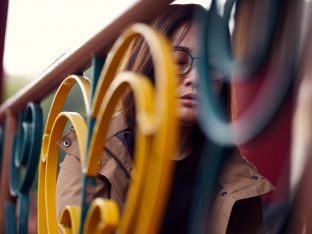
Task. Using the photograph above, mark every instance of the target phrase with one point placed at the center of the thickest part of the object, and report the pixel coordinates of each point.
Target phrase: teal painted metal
(97, 64)
(89, 183)
(9, 218)
(24, 162)
(219, 47)
(207, 181)
(217, 56)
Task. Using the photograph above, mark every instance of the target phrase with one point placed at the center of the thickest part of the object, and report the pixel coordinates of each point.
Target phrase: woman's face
(185, 52)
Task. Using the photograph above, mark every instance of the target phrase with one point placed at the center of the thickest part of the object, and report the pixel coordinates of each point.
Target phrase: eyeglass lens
(183, 61)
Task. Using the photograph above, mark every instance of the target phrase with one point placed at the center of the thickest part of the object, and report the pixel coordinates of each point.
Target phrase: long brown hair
(140, 60)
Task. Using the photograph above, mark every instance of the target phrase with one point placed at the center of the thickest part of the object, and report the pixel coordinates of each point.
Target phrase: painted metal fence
(265, 76)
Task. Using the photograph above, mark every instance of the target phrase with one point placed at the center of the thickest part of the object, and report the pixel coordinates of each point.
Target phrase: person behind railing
(237, 205)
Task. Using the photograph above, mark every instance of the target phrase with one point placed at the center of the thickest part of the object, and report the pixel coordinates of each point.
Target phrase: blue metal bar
(89, 183)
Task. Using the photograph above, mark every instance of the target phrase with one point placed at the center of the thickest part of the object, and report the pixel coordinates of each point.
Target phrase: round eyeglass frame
(191, 60)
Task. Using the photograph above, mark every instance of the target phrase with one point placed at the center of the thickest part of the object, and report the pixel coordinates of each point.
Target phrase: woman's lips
(189, 100)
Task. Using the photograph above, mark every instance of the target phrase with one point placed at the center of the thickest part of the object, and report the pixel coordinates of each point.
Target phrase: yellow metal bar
(154, 147)
(49, 153)
(69, 222)
(144, 94)
(104, 217)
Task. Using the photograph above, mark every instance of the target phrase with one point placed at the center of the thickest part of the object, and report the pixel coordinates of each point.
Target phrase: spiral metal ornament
(217, 57)
(151, 181)
(216, 42)
(47, 222)
(24, 162)
(154, 144)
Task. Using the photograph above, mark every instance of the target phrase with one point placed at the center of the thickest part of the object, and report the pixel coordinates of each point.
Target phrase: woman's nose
(191, 78)
(190, 83)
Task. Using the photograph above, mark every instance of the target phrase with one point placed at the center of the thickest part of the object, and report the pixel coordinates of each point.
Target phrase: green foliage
(74, 102)
(12, 84)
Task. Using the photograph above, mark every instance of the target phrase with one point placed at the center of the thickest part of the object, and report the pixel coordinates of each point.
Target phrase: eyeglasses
(183, 58)
(185, 61)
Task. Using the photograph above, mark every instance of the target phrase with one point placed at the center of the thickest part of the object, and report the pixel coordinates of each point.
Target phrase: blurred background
(38, 33)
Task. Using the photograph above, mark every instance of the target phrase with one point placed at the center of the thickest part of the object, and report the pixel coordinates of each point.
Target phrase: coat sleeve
(68, 185)
(69, 181)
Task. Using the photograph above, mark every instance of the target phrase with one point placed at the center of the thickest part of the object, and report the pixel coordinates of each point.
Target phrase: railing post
(97, 64)
(10, 128)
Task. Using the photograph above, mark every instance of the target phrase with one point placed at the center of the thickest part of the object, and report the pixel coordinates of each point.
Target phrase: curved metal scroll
(47, 222)
(150, 183)
(216, 42)
(24, 162)
(281, 68)
(154, 144)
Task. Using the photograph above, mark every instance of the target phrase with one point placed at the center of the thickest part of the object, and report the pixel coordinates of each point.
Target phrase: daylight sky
(39, 31)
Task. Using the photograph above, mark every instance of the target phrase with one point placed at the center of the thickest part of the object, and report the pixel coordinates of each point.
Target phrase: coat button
(66, 143)
(223, 193)
(254, 177)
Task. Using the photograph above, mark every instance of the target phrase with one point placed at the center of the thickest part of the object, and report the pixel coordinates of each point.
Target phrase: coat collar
(117, 125)
(239, 180)
(117, 149)
(238, 173)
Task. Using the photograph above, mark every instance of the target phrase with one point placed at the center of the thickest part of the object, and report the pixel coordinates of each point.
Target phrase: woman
(240, 183)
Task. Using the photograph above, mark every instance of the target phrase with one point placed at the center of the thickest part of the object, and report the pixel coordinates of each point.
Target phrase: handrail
(79, 58)
(90, 133)
(74, 61)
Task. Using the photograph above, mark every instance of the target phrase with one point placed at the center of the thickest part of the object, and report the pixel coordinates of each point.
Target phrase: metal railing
(74, 61)
(276, 55)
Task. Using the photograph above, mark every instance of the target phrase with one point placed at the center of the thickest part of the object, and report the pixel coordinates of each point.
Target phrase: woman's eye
(182, 61)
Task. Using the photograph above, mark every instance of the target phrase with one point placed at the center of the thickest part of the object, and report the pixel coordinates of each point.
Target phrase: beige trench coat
(236, 209)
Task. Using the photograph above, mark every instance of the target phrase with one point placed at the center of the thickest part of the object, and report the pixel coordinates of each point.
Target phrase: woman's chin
(188, 120)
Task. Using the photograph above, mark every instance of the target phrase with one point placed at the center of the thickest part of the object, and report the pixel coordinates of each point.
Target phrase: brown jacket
(236, 209)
